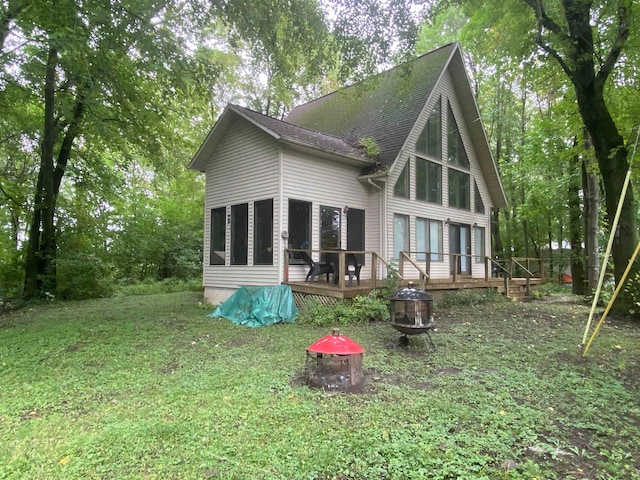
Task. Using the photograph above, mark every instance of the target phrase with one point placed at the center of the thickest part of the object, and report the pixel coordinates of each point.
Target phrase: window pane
(356, 232)
(401, 188)
(459, 189)
(330, 228)
(299, 226)
(430, 139)
(479, 245)
(434, 137)
(217, 236)
(239, 233)
(435, 240)
(456, 152)
(479, 204)
(400, 235)
(421, 179)
(263, 232)
(434, 179)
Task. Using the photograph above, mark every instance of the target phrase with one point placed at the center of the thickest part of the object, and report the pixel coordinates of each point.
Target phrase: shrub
(83, 276)
(358, 310)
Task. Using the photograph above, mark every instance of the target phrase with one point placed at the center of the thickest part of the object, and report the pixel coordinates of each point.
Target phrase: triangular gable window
(430, 139)
(457, 153)
(401, 188)
(479, 204)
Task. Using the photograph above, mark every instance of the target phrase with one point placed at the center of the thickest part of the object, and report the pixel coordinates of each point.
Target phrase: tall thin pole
(614, 227)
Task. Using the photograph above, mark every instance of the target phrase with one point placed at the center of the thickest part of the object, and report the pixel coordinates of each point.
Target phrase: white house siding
(244, 169)
(422, 209)
(327, 183)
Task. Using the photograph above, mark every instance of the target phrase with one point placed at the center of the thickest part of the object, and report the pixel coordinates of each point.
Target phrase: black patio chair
(352, 267)
(315, 268)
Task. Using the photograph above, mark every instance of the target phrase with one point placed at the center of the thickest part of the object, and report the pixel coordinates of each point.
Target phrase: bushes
(356, 311)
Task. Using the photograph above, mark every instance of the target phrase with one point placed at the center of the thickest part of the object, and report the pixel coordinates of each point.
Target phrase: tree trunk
(40, 262)
(576, 260)
(591, 212)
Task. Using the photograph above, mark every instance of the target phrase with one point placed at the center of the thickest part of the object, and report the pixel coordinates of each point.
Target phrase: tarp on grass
(258, 306)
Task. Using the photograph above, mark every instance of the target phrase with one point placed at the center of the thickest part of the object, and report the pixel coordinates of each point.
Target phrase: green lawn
(149, 387)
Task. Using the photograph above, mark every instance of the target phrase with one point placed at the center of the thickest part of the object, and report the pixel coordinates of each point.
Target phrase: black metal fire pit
(412, 314)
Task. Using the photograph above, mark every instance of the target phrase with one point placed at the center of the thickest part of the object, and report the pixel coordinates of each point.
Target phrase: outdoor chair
(352, 267)
(315, 268)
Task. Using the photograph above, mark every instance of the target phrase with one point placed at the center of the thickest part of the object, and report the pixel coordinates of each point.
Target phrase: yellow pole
(614, 227)
(613, 298)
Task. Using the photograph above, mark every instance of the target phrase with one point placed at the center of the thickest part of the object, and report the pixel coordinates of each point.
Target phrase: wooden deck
(327, 289)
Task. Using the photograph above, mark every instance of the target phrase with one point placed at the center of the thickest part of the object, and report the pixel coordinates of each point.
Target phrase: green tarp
(258, 306)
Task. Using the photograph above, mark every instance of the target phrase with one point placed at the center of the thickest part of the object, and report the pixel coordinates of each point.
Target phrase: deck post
(456, 259)
(374, 270)
(486, 269)
(401, 265)
(340, 273)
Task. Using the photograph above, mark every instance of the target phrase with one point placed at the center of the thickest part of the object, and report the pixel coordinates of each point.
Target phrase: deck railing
(379, 266)
(421, 262)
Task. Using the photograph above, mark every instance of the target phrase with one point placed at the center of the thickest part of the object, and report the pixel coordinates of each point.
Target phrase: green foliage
(369, 146)
(356, 311)
(632, 290)
(392, 282)
(83, 275)
(153, 287)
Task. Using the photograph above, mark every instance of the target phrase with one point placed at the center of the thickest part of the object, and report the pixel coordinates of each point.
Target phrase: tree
(587, 49)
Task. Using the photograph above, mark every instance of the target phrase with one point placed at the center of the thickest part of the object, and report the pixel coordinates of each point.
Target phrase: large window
(456, 152)
(299, 227)
(479, 252)
(429, 239)
(428, 181)
(239, 233)
(263, 232)
(330, 228)
(217, 236)
(459, 189)
(400, 235)
(430, 139)
(401, 188)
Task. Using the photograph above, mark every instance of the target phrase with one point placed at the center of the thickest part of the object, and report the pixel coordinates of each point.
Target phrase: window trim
(428, 163)
(294, 258)
(405, 175)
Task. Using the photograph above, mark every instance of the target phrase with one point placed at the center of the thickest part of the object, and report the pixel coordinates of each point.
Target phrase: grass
(150, 387)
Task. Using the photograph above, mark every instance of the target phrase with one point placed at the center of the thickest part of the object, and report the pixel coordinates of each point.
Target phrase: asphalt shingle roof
(384, 107)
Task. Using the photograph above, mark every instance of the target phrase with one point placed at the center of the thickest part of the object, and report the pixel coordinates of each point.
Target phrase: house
(397, 163)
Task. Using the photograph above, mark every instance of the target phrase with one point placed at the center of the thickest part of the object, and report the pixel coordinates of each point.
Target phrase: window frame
(263, 232)
(239, 227)
(457, 174)
(437, 256)
(479, 251)
(213, 241)
(402, 186)
(406, 238)
(306, 237)
(428, 166)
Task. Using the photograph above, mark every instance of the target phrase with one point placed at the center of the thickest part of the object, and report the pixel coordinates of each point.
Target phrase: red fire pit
(334, 363)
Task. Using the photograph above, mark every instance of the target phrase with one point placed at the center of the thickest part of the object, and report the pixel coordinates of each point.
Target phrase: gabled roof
(384, 107)
(387, 106)
(296, 136)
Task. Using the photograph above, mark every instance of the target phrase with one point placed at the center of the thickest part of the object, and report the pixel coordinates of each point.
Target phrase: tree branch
(624, 14)
(544, 21)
